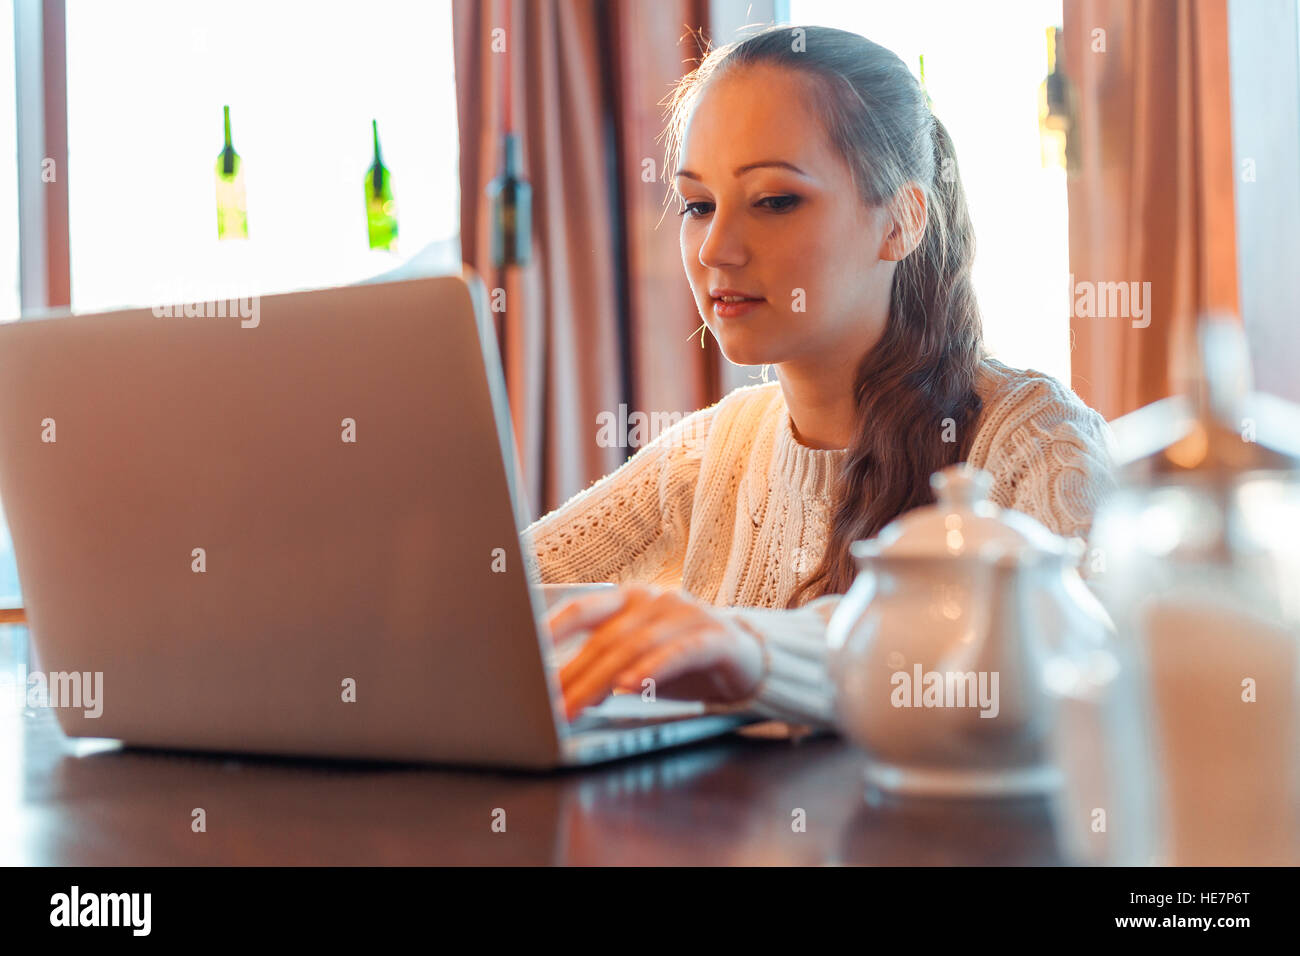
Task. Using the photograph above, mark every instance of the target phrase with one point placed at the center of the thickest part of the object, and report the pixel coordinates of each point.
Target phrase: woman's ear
(908, 214)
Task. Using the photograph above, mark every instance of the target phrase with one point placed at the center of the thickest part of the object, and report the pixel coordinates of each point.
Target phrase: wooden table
(729, 801)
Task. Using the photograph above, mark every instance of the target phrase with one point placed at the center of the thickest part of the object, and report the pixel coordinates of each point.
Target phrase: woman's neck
(823, 412)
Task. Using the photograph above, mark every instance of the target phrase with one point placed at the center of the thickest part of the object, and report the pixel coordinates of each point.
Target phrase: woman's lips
(733, 310)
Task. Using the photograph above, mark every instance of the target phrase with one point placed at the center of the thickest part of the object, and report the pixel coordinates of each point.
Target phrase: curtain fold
(669, 370)
(600, 317)
(1152, 201)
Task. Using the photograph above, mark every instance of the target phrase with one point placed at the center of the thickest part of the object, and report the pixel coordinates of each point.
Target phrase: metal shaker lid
(1218, 428)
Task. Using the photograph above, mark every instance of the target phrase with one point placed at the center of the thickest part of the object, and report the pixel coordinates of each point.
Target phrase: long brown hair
(916, 388)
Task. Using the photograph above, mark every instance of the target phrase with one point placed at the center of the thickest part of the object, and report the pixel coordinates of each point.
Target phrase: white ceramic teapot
(938, 650)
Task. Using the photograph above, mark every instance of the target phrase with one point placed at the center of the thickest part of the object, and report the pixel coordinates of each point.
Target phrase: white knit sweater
(730, 507)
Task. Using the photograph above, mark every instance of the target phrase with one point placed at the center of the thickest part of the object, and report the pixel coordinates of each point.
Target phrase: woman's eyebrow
(741, 170)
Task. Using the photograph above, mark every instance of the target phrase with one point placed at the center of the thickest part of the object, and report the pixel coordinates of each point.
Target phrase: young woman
(812, 179)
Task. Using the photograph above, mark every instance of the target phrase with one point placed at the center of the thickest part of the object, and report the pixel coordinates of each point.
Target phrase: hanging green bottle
(381, 210)
(232, 203)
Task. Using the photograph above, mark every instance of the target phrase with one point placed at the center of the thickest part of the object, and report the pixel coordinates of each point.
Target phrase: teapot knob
(961, 485)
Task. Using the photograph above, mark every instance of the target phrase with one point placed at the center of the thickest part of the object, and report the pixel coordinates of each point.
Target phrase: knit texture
(728, 506)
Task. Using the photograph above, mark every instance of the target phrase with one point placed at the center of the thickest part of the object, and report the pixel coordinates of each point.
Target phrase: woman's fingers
(589, 677)
(585, 679)
(712, 660)
(642, 607)
(585, 611)
(665, 662)
(641, 631)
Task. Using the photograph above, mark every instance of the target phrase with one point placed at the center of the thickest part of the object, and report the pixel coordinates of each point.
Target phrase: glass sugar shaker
(1180, 743)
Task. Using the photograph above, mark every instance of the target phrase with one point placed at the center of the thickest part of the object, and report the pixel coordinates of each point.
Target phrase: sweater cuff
(796, 687)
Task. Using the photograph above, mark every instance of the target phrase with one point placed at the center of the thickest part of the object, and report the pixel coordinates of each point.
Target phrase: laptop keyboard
(631, 710)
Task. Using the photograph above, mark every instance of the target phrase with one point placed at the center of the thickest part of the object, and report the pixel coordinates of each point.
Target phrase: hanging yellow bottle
(232, 201)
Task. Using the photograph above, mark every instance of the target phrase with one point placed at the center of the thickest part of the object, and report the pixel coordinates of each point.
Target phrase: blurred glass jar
(1180, 747)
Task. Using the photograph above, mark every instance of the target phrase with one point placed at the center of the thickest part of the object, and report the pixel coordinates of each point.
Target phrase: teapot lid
(963, 522)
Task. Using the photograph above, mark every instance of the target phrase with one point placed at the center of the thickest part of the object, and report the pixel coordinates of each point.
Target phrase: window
(982, 73)
(147, 80)
(146, 83)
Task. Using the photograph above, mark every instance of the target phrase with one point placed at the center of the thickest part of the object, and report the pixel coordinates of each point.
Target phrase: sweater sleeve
(1050, 457)
(797, 688)
(630, 525)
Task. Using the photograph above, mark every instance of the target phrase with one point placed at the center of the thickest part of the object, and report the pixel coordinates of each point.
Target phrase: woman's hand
(638, 632)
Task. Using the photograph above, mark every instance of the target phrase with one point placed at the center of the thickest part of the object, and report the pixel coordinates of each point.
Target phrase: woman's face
(800, 240)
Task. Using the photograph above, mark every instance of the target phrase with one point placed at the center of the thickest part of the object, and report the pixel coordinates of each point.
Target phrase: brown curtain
(602, 314)
(1153, 197)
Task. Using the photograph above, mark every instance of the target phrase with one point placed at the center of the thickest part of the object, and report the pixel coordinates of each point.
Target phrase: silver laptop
(291, 526)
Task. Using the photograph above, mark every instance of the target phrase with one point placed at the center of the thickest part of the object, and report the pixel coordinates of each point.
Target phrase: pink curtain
(1153, 200)
(602, 314)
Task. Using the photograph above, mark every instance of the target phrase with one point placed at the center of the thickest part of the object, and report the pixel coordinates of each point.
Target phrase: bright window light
(147, 80)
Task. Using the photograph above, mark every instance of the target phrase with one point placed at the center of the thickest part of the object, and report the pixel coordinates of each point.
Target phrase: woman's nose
(724, 244)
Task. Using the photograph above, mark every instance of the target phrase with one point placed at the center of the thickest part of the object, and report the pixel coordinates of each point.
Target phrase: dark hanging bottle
(512, 211)
(232, 203)
(1057, 109)
(381, 209)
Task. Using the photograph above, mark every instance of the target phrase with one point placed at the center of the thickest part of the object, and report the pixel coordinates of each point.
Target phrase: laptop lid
(298, 535)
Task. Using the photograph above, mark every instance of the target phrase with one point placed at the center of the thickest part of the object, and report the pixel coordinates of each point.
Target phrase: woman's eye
(780, 204)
